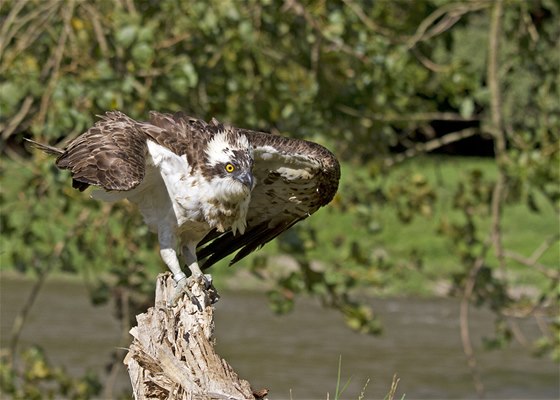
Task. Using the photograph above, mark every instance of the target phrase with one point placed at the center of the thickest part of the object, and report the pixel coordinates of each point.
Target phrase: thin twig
(372, 25)
(16, 119)
(97, 28)
(19, 322)
(5, 34)
(497, 129)
(517, 333)
(429, 64)
(464, 319)
(38, 19)
(415, 117)
(431, 145)
(543, 247)
(172, 41)
(443, 19)
(56, 60)
(130, 7)
(123, 342)
(529, 262)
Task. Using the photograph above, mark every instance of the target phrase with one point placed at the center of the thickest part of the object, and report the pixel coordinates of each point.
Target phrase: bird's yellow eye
(230, 168)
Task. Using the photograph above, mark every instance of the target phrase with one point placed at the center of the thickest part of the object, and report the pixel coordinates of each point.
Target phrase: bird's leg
(204, 280)
(168, 254)
(169, 257)
(189, 253)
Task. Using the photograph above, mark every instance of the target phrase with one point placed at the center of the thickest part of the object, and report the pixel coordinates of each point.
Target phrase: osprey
(206, 189)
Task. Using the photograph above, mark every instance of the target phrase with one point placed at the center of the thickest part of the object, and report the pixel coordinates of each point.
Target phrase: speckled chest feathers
(226, 180)
(212, 187)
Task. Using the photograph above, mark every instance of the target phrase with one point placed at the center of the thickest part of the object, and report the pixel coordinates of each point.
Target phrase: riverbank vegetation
(380, 83)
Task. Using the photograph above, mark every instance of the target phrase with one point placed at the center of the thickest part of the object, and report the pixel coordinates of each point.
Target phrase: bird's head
(229, 159)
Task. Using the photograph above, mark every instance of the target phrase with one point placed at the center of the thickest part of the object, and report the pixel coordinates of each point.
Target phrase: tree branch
(414, 117)
(431, 145)
(16, 120)
(443, 19)
(497, 128)
(464, 319)
(56, 60)
(532, 263)
(97, 29)
(371, 25)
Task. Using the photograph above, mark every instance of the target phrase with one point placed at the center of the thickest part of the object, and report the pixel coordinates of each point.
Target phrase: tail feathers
(46, 148)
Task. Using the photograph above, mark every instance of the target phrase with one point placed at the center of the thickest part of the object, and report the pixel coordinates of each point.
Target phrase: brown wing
(182, 134)
(111, 154)
(294, 179)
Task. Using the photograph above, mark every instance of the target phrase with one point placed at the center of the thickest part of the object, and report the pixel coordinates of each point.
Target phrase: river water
(296, 356)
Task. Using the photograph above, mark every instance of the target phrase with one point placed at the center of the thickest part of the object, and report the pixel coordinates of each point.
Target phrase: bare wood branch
(494, 79)
(56, 60)
(529, 262)
(372, 25)
(464, 318)
(443, 19)
(6, 33)
(497, 128)
(97, 28)
(172, 41)
(130, 7)
(429, 64)
(172, 354)
(16, 119)
(116, 366)
(431, 145)
(419, 116)
(36, 21)
(543, 247)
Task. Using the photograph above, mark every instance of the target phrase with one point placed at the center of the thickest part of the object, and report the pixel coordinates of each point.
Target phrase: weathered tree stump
(172, 354)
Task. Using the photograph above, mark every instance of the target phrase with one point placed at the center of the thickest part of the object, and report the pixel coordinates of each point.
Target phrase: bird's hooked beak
(247, 179)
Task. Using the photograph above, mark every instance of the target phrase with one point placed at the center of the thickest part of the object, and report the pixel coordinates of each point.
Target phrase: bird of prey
(207, 189)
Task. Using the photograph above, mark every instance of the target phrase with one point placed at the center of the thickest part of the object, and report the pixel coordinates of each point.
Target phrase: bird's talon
(195, 302)
(184, 284)
(207, 280)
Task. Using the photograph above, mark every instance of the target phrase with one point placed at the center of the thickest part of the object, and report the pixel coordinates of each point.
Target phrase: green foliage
(37, 378)
(364, 78)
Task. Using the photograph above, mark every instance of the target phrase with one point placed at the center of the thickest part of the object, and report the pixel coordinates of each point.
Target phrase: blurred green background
(445, 117)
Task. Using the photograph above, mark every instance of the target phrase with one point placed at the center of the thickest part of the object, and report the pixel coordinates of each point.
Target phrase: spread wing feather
(294, 179)
(112, 153)
(109, 155)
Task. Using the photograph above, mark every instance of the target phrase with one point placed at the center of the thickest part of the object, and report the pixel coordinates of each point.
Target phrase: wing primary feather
(227, 243)
(213, 234)
(270, 235)
(45, 148)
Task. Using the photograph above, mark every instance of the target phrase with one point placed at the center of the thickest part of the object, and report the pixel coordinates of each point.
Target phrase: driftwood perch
(172, 354)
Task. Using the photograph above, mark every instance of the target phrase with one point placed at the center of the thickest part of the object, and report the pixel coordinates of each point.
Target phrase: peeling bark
(172, 353)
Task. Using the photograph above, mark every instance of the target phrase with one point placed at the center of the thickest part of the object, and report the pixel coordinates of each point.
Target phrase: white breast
(173, 194)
